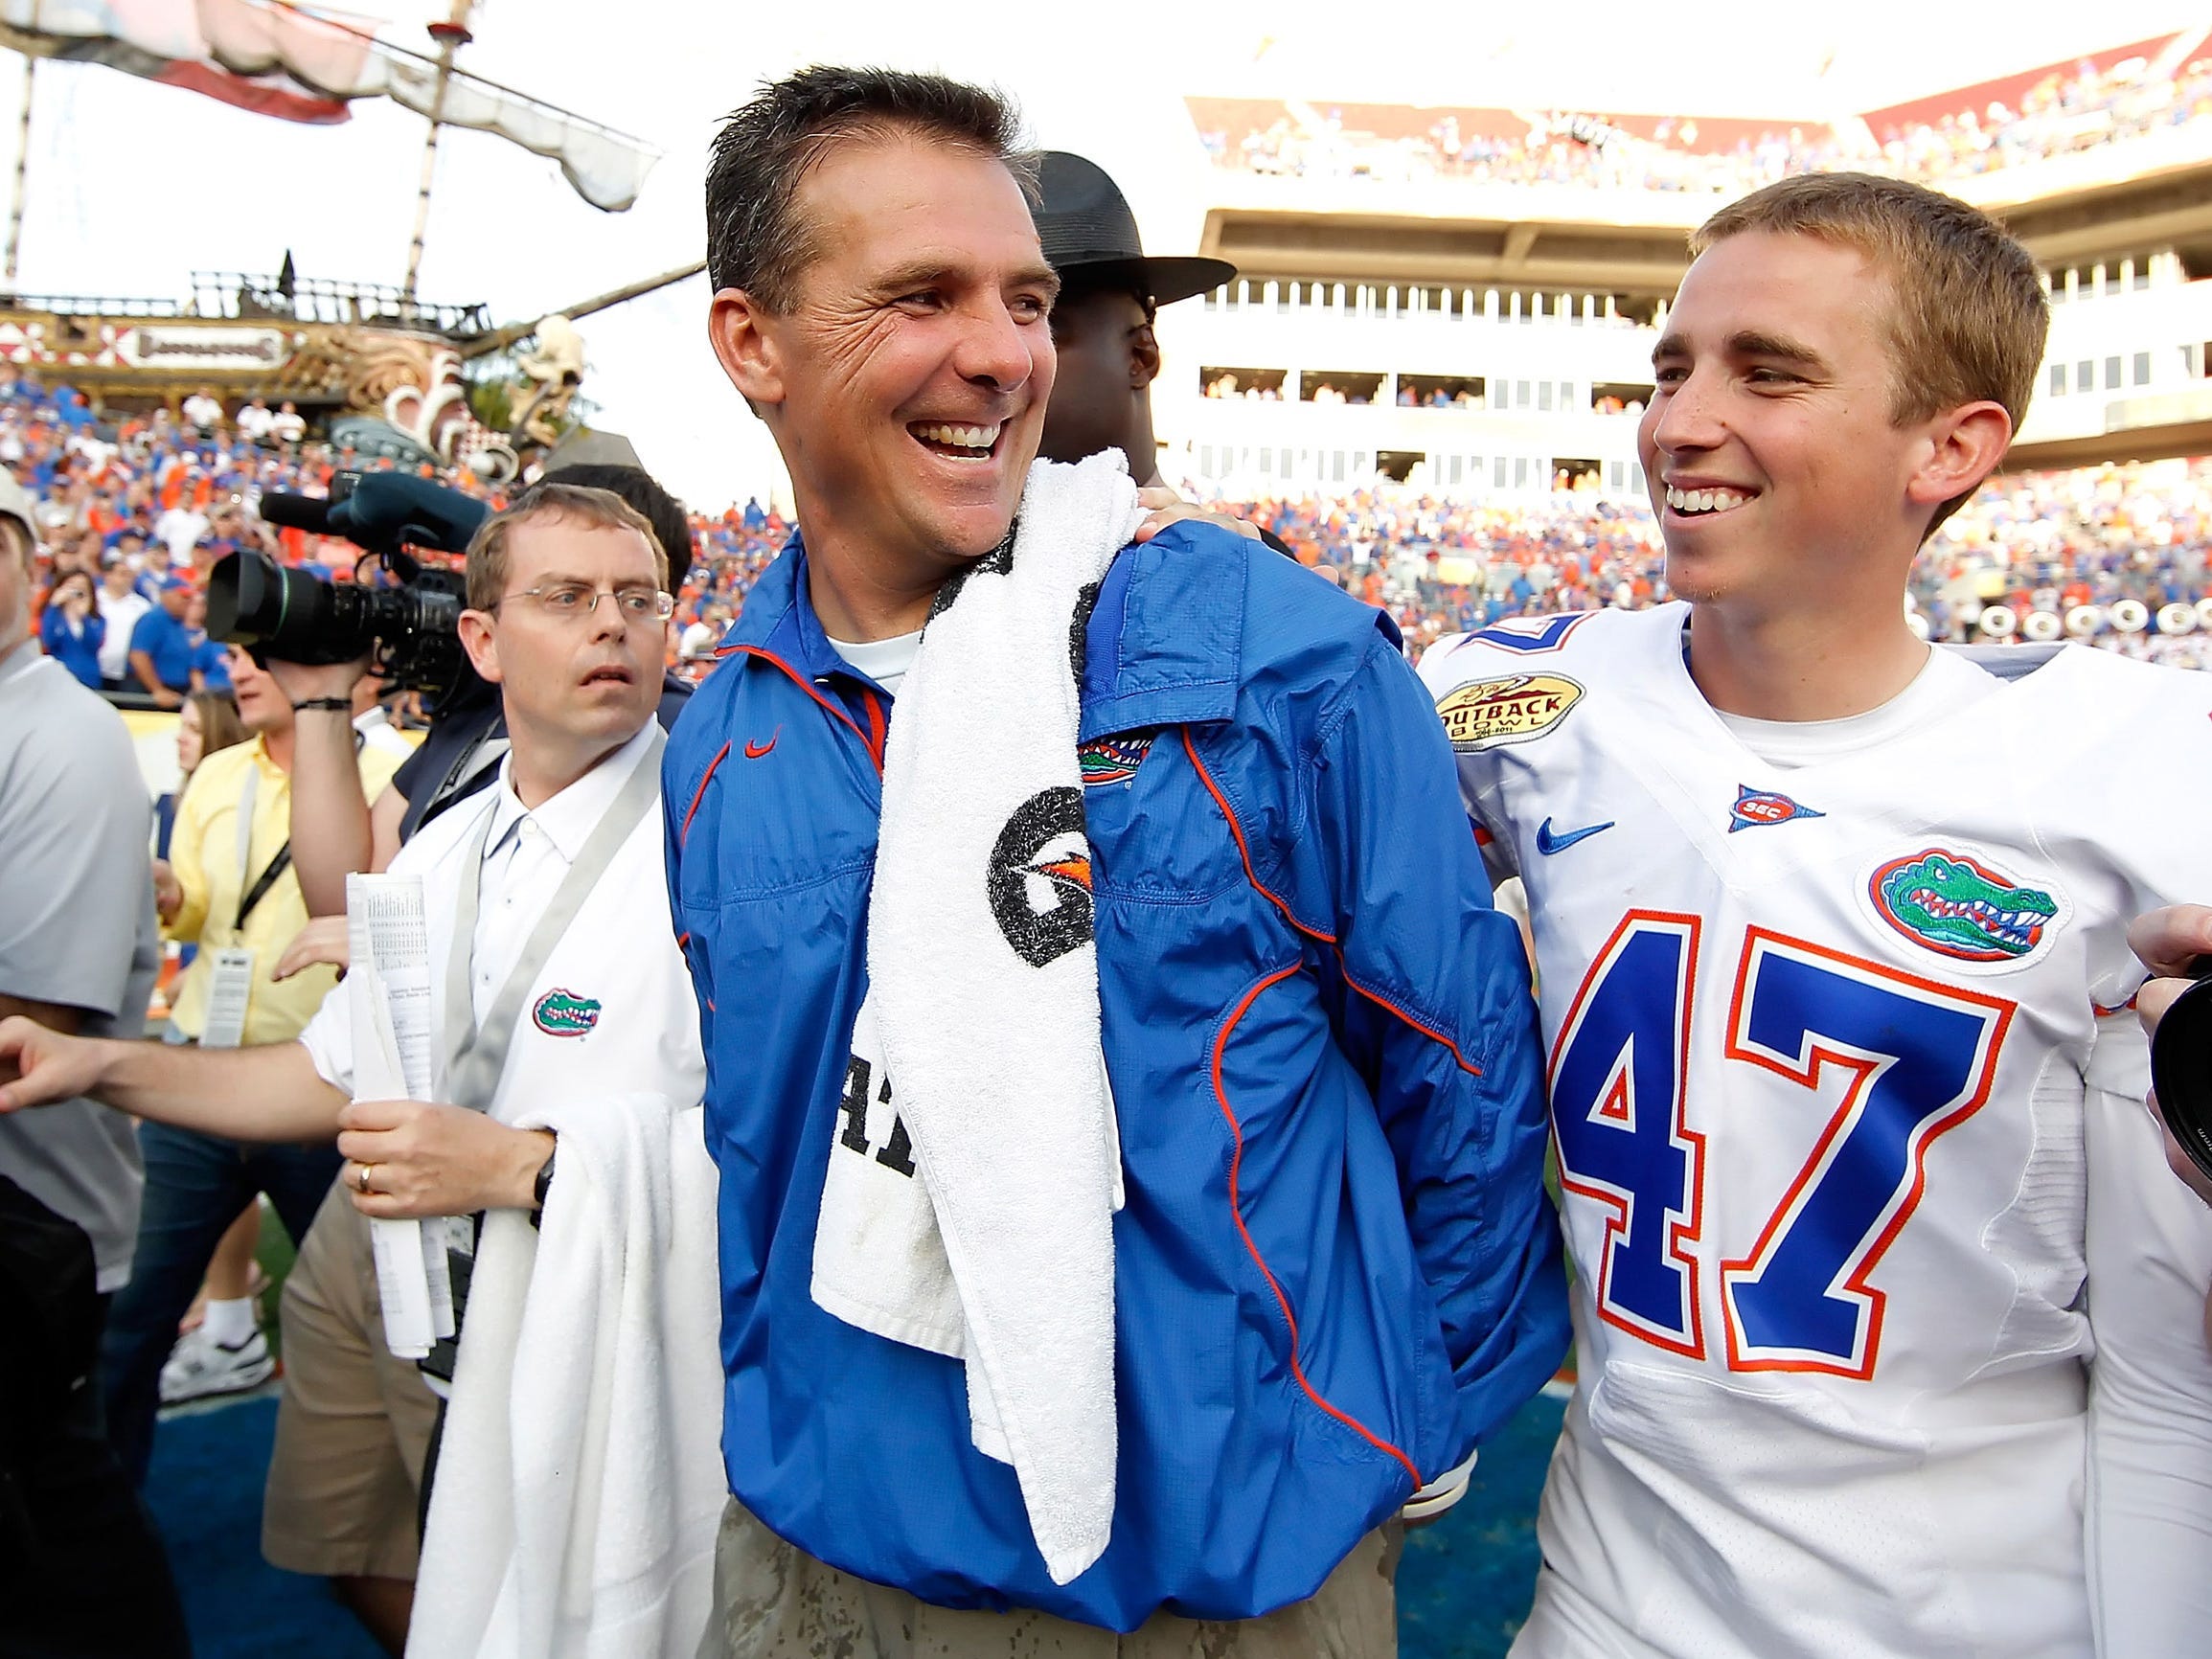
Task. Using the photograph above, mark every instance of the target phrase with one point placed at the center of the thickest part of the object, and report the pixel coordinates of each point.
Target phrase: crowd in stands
(133, 512)
(2047, 543)
(2064, 112)
(1227, 385)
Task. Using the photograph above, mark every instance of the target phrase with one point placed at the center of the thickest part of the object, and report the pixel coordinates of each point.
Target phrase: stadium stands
(1440, 560)
(2124, 92)
(2050, 544)
(193, 490)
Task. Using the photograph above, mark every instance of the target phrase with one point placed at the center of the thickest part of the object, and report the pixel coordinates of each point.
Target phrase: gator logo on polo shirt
(1488, 713)
(563, 1013)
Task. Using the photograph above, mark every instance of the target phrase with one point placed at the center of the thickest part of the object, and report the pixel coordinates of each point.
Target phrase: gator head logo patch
(1961, 907)
(1488, 713)
(1115, 759)
(565, 1013)
(1038, 883)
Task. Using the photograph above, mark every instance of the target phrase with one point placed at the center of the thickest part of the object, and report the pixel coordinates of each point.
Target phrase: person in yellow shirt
(228, 887)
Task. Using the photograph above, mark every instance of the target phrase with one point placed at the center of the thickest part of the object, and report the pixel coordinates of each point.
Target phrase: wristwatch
(542, 1185)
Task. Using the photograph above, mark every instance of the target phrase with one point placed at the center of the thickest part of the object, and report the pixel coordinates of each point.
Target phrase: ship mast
(450, 35)
(22, 170)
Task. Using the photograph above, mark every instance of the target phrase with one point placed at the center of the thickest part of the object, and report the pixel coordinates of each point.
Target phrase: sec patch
(1488, 713)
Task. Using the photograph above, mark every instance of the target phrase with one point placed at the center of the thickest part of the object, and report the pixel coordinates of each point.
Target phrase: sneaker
(199, 1366)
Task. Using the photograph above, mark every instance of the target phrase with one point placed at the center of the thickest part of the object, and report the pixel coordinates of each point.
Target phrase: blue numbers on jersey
(1918, 1056)
(1617, 1093)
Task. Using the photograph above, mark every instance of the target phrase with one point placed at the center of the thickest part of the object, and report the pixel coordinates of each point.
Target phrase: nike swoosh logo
(1548, 843)
(754, 751)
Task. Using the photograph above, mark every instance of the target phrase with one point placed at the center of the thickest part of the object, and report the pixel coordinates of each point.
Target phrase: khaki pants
(353, 1421)
(773, 1601)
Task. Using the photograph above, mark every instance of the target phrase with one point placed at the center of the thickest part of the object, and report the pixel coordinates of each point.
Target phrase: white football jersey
(1889, 1313)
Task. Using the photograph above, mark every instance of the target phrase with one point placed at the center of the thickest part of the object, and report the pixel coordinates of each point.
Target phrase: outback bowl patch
(1115, 759)
(1962, 906)
(1489, 713)
(565, 1013)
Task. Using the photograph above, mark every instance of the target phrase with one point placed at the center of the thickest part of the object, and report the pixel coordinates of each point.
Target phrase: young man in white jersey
(566, 1020)
(1887, 1317)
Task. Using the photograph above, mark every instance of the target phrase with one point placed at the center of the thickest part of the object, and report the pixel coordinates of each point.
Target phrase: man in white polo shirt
(564, 995)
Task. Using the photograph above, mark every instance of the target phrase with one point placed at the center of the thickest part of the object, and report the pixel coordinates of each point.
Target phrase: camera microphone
(308, 512)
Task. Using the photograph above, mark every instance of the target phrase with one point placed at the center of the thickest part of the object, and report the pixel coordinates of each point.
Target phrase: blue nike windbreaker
(1337, 1270)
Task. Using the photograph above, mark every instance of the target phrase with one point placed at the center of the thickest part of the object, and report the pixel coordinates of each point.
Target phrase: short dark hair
(671, 525)
(756, 240)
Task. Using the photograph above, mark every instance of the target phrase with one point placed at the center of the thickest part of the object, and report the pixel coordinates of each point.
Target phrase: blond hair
(1967, 316)
(597, 508)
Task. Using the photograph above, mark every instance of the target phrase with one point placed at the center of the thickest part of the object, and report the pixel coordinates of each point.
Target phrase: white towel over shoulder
(969, 1204)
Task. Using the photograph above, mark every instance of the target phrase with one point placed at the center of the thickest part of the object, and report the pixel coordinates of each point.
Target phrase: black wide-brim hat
(1089, 233)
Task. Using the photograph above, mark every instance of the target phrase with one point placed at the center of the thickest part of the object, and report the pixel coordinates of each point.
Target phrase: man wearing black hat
(1101, 324)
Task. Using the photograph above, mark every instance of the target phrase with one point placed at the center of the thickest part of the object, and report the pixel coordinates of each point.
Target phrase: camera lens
(2182, 1072)
(293, 616)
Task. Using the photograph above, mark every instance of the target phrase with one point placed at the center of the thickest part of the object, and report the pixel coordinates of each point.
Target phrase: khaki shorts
(773, 1601)
(353, 1421)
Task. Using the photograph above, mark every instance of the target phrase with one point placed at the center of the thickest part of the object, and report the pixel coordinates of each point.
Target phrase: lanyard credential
(476, 1054)
(277, 865)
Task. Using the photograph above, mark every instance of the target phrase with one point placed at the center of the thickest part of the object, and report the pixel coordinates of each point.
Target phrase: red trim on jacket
(875, 718)
(1244, 851)
(701, 794)
(1236, 1211)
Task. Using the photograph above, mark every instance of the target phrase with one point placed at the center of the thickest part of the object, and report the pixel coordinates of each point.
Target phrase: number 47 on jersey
(1917, 1059)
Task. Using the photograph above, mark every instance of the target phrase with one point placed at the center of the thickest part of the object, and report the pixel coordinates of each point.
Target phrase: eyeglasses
(573, 602)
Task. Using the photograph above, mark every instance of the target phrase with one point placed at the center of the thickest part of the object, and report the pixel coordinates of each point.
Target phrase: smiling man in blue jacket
(1335, 1269)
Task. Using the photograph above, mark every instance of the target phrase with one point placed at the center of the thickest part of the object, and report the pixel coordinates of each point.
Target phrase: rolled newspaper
(395, 1022)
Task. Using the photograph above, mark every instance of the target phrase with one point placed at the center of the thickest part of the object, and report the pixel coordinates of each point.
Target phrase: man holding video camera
(354, 1406)
(535, 893)
(356, 1427)
(462, 751)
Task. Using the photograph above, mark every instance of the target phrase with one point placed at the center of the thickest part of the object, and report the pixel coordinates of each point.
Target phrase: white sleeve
(328, 1039)
(2149, 1501)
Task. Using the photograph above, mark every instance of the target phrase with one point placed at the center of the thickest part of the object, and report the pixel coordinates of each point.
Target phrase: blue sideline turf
(1464, 1583)
(205, 1490)
(1462, 1586)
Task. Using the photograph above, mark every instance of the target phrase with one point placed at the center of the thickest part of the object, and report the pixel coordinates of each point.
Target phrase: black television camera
(405, 614)
(2182, 1067)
